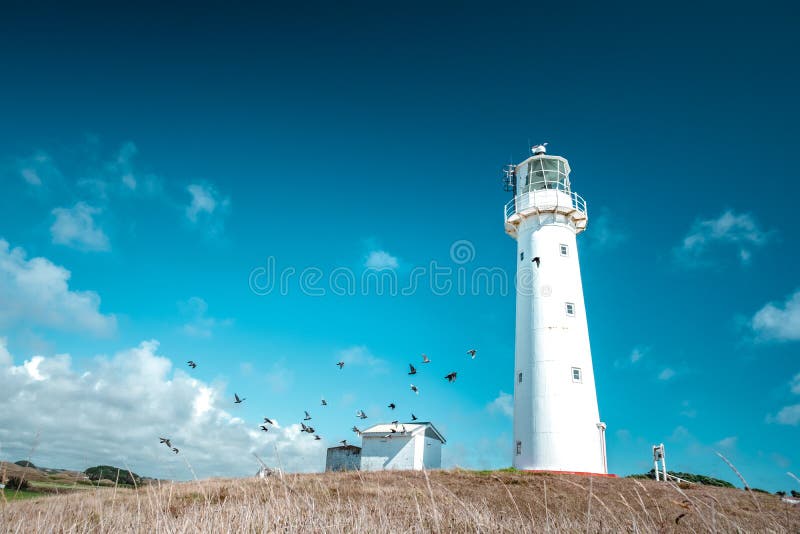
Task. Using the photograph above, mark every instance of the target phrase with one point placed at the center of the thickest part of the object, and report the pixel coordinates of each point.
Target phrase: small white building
(402, 446)
(343, 458)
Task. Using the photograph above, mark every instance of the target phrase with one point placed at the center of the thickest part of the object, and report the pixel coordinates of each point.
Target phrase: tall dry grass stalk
(441, 501)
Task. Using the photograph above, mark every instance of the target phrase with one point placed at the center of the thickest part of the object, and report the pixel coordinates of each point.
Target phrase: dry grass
(442, 501)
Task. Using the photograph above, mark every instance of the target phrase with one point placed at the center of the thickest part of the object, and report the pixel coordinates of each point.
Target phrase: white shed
(402, 446)
(343, 458)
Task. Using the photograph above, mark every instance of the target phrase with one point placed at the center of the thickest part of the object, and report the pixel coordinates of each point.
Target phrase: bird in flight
(340, 364)
(361, 415)
(413, 370)
(415, 389)
(192, 364)
(344, 442)
(395, 423)
(413, 417)
(392, 430)
(451, 377)
(264, 428)
(175, 450)
(472, 352)
(425, 359)
(307, 417)
(356, 430)
(537, 261)
(317, 438)
(166, 442)
(268, 421)
(324, 402)
(392, 405)
(238, 400)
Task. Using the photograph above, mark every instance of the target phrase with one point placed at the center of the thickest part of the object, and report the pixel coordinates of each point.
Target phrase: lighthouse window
(570, 309)
(522, 255)
(519, 447)
(576, 374)
(519, 378)
(564, 250)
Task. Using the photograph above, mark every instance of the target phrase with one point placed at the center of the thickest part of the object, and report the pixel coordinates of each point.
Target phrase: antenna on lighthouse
(510, 178)
(539, 149)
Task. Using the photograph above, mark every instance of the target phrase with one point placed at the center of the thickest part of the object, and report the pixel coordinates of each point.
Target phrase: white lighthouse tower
(557, 424)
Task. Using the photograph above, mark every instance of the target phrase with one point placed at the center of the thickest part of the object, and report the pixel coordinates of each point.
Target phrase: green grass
(13, 495)
(59, 485)
(493, 471)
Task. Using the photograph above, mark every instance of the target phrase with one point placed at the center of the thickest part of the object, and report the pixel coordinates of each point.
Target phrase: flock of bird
(307, 428)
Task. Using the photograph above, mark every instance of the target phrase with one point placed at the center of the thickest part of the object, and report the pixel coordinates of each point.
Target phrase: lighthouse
(557, 423)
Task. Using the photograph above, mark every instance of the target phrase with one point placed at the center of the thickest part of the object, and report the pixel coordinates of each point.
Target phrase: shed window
(564, 249)
(576, 374)
(519, 447)
(570, 309)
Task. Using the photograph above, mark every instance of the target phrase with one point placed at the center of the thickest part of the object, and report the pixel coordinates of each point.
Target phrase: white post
(664, 461)
(602, 427)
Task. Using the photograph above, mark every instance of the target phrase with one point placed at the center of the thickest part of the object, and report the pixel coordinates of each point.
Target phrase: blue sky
(152, 160)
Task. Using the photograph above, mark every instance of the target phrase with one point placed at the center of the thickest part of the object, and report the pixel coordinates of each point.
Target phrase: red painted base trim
(581, 473)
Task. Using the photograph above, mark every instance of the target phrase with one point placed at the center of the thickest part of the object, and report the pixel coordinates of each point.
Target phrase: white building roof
(383, 429)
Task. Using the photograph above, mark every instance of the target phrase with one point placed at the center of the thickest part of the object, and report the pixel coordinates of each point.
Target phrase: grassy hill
(410, 501)
(42, 481)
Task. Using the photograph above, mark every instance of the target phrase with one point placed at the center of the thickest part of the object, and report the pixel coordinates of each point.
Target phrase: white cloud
(361, 356)
(5, 356)
(687, 410)
(380, 259)
(503, 404)
(116, 175)
(123, 165)
(113, 410)
(75, 227)
(738, 230)
(38, 169)
(778, 322)
(727, 443)
(605, 233)
(199, 323)
(205, 200)
(788, 415)
(36, 292)
(638, 353)
(666, 374)
(279, 377)
(680, 433)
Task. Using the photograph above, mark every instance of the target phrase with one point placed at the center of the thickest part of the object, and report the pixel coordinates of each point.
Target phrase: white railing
(546, 200)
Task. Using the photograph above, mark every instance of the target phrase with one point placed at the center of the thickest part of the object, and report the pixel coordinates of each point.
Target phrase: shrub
(25, 463)
(17, 483)
(109, 472)
(690, 477)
